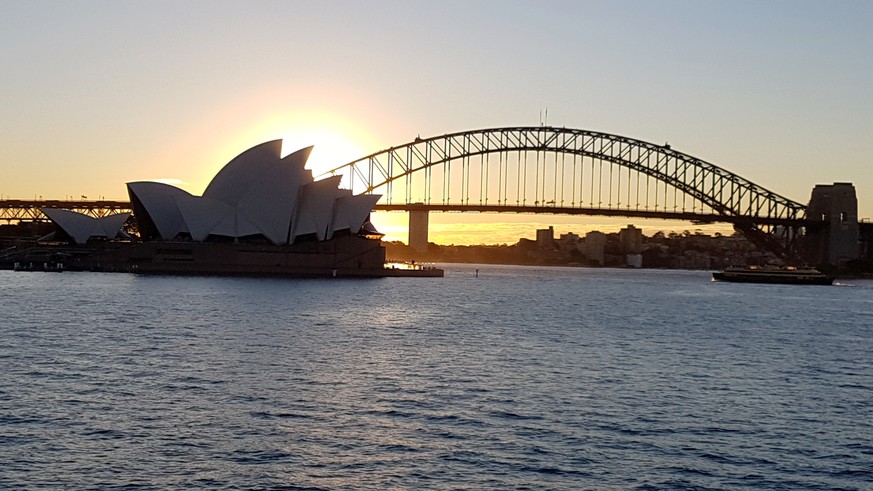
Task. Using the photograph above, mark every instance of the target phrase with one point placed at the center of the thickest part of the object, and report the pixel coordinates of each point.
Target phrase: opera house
(262, 214)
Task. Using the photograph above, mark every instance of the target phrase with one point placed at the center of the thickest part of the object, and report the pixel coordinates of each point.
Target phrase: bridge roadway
(28, 210)
(588, 211)
(13, 210)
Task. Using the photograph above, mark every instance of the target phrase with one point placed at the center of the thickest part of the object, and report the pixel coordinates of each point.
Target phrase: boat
(787, 275)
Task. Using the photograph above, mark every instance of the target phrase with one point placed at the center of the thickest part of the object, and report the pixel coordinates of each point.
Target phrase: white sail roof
(350, 212)
(81, 227)
(234, 179)
(256, 193)
(316, 208)
(271, 200)
(158, 203)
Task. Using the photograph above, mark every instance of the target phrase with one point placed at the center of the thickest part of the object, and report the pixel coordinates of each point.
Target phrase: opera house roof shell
(257, 195)
(80, 227)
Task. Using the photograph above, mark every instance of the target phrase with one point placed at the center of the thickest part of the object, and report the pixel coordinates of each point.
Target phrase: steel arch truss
(560, 170)
(25, 210)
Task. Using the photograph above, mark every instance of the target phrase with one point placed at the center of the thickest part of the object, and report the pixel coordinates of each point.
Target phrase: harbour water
(520, 378)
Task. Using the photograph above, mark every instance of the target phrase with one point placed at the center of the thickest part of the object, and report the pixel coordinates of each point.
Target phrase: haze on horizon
(99, 93)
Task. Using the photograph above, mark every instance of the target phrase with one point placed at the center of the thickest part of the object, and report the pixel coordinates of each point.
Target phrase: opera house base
(341, 257)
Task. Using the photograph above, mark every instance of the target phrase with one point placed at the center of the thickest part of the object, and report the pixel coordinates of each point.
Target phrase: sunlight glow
(494, 228)
(332, 148)
(336, 140)
(327, 118)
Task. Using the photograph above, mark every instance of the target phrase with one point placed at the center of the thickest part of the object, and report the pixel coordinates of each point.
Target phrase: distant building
(595, 244)
(546, 237)
(570, 243)
(631, 239)
(634, 260)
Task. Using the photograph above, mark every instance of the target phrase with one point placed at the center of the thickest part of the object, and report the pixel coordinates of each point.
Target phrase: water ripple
(522, 378)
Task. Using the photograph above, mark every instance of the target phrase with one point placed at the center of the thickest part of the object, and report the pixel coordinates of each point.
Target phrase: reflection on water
(554, 378)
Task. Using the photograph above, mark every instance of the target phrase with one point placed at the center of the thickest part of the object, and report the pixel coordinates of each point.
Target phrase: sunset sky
(99, 93)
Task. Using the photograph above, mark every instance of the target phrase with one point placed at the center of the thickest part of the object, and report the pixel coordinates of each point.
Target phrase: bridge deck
(18, 210)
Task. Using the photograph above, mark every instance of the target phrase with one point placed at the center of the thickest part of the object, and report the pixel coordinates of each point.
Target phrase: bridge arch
(652, 180)
(607, 175)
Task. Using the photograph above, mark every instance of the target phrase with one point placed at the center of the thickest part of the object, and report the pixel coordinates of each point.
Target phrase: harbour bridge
(547, 170)
(541, 169)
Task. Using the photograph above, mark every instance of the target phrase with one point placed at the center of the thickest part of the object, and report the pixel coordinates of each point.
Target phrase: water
(522, 378)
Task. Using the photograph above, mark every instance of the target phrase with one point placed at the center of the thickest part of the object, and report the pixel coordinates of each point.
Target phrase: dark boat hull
(774, 277)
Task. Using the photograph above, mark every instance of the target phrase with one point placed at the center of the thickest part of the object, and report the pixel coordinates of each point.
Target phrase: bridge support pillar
(834, 241)
(418, 220)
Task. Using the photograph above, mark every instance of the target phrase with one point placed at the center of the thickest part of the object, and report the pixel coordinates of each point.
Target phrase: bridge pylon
(418, 223)
(832, 236)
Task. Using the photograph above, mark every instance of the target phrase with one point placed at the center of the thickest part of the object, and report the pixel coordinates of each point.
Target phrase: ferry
(788, 276)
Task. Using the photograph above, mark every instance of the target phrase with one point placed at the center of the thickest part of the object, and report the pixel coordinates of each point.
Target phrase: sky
(99, 93)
